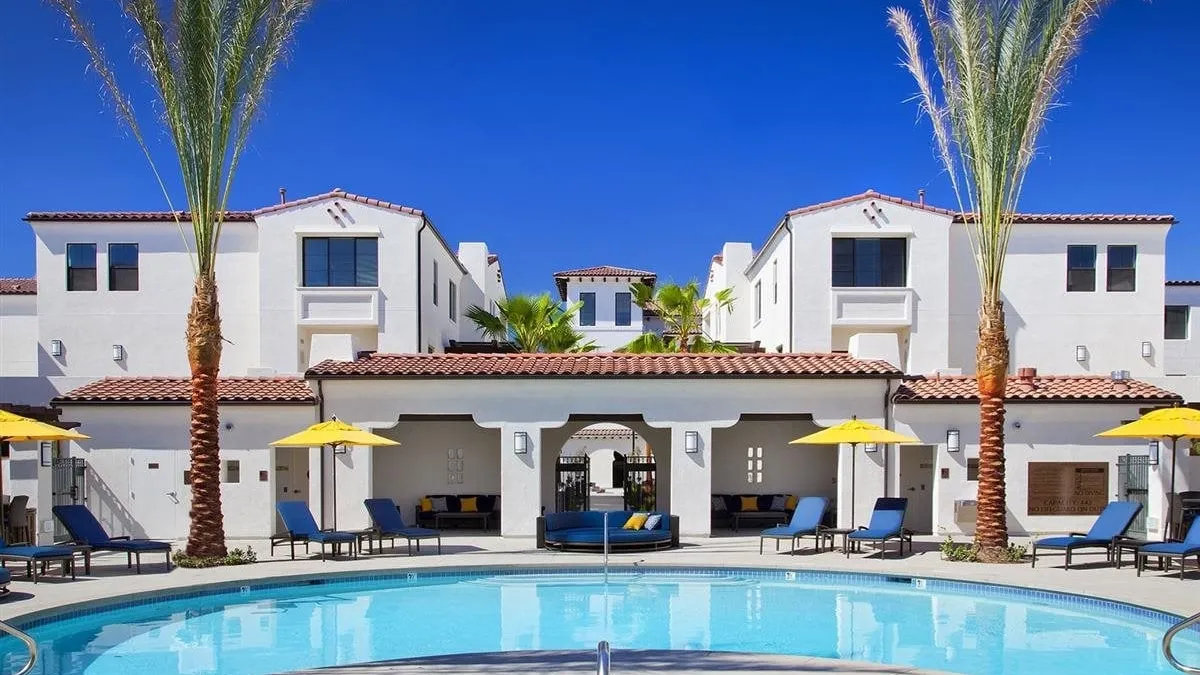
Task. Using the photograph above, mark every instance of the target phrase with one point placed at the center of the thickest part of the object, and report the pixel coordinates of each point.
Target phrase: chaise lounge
(887, 523)
(35, 557)
(85, 529)
(584, 531)
(389, 523)
(1172, 549)
(806, 521)
(302, 528)
(1110, 524)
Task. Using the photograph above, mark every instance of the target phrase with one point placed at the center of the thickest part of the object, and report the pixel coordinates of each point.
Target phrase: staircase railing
(1166, 644)
(30, 644)
(602, 658)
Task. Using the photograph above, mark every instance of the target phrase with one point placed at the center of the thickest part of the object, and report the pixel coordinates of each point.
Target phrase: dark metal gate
(640, 491)
(572, 484)
(1133, 479)
(68, 486)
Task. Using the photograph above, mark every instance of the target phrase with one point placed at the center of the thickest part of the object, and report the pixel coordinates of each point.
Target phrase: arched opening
(605, 466)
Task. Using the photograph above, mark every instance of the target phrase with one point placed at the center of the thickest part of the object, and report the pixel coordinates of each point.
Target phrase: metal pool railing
(602, 658)
(1166, 644)
(31, 645)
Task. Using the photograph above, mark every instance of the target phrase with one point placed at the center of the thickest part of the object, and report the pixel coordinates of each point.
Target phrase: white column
(520, 481)
(316, 485)
(691, 479)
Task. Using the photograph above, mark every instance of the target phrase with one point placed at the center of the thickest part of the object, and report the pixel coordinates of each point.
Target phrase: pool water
(975, 630)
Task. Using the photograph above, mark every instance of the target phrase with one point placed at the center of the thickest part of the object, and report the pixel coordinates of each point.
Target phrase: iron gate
(1133, 477)
(572, 483)
(640, 491)
(68, 486)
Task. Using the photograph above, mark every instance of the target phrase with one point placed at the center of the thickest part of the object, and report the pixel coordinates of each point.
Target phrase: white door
(291, 477)
(916, 483)
(159, 500)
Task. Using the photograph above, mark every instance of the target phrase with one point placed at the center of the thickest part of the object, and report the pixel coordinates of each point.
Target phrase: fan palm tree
(999, 66)
(209, 62)
(532, 323)
(682, 310)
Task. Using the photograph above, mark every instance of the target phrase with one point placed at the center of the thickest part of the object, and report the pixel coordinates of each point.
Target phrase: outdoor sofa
(35, 557)
(1190, 546)
(733, 510)
(584, 531)
(438, 511)
(1110, 524)
(85, 529)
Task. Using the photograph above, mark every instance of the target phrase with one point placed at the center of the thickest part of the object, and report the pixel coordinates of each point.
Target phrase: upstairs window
(1081, 269)
(341, 261)
(587, 313)
(774, 282)
(453, 301)
(624, 309)
(869, 262)
(435, 282)
(757, 301)
(122, 267)
(81, 267)
(1177, 317)
(1122, 268)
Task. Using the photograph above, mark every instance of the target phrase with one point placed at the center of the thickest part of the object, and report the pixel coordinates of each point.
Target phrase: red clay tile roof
(129, 216)
(18, 286)
(560, 278)
(175, 390)
(719, 259)
(602, 365)
(1036, 218)
(339, 193)
(1042, 388)
(493, 258)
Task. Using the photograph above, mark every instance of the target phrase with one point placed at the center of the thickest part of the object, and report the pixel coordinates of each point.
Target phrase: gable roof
(339, 193)
(178, 390)
(1043, 388)
(18, 286)
(602, 365)
(560, 278)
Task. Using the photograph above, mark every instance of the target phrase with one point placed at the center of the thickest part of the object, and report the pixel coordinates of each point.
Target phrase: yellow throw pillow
(468, 505)
(636, 521)
(792, 501)
(750, 503)
(426, 504)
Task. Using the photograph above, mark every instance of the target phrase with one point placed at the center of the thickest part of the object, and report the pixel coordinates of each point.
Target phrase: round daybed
(584, 531)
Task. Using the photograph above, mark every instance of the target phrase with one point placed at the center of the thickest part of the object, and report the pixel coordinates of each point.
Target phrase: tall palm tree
(210, 62)
(682, 310)
(534, 323)
(999, 68)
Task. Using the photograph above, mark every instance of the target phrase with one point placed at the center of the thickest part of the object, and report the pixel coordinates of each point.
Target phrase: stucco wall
(18, 337)
(1182, 357)
(802, 470)
(606, 333)
(437, 325)
(772, 266)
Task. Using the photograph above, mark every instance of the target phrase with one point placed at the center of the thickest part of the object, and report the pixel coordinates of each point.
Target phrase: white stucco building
(344, 305)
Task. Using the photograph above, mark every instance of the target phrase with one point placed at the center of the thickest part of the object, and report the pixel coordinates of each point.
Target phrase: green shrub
(235, 556)
(956, 552)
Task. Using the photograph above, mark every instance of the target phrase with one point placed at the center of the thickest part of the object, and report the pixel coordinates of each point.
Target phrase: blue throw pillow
(652, 522)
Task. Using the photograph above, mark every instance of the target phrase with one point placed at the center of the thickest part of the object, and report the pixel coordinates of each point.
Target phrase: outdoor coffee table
(829, 533)
(369, 535)
(766, 517)
(482, 516)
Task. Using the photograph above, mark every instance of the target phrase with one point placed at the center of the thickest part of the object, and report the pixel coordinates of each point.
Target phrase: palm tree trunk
(207, 535)
(991, 530)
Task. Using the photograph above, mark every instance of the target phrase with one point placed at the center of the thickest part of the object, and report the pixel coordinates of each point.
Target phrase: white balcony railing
(337, 306)
(884, 307)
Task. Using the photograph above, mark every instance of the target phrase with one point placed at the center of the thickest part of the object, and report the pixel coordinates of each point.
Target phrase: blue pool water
(975, 630)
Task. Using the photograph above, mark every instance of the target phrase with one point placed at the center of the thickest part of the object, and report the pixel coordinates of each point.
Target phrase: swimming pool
(279, 627)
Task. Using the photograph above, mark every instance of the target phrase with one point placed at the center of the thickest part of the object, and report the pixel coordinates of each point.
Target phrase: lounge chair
(301, 527)
(36, 557)
(1172, 549)
(85, 529)
(1110, 524)
(389, 523)
(806, 521)
(887, 523)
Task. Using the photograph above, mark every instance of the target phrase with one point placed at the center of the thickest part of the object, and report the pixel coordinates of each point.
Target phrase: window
(341, 261)
(1122, 268)
(1081, 269)
(624, 309)
(81, 267)
(754, 465)
(757, 301)
(1177, 322)
(774, 282)
(435, 282)
(453, 301)
(233, 471)
(587, 312)
(122, 267)
(973, 469)
(870, 262)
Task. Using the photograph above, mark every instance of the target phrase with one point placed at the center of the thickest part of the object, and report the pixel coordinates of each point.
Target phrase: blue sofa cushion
(595, 535)
(570, 520)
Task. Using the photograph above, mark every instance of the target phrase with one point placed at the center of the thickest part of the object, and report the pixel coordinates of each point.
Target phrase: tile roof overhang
(1038, 389)
(177, 390)
(18, 286)
(128, 216)
(561, 278)
(603, 365)
(1183, 282)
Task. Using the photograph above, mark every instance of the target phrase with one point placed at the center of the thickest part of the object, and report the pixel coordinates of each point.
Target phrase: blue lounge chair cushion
(387, 518)
(1110, 524)
(300, 523)
(35, 552)
(1172, 548)
(805, 519)
(134, 545)
(85, 529)
(874, 534)
(887, 519)
(414, 532)
(1071, 542)
(5, 576)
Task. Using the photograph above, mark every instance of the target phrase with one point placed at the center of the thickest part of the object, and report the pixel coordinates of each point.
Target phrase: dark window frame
(758, 301)
(1074, 270)
(435, 283)
(113, 268)
(310, 277)
(583, 309)
(973, 469)
(774, 282)
(847, 270)
(452, 300)
(1121, 271)
(623, 300)
(71, 285)
(1187, 318)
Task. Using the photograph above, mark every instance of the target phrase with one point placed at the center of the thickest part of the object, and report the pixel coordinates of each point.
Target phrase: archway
(605, 466)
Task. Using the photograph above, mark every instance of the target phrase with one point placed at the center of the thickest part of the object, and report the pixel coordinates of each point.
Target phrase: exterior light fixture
(520, 443)
(1080, 353)
(691, 442)
(1147, 349)
(953, 443)
(1152, 449)
(118, 353)
(56, 348)
(870, 447)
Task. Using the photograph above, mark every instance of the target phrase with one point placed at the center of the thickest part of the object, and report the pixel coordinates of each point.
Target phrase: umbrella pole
(1171, 504)
(853, 479)
(333, 447)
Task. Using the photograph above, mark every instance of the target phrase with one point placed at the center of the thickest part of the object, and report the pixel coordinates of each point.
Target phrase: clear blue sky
(642, 134)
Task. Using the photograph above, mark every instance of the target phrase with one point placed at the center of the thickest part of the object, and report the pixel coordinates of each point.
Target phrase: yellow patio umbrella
(337, 435)
(853, 431)
(16, 429)
(1173, 423)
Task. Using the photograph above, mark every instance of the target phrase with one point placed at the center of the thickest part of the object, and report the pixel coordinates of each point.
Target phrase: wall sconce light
(953, 443)
(118, 353)
(1080, 353)
(870, 447)
(520, 443)
(1152, 449)
(56, 348)
(1147, 349)
(691, 442)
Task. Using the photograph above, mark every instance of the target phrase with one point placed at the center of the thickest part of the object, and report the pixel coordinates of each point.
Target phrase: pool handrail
(1166, 644)
(602, 658)
(30, 644)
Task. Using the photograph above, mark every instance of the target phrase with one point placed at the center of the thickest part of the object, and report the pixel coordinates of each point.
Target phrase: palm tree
(999, 68)
(210, 62)
(682, 310)
(532, 323)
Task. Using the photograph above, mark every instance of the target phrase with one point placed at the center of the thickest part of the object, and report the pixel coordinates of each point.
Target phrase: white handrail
(30, 644)
(606, 547)
(602, 658)
(1166, 644)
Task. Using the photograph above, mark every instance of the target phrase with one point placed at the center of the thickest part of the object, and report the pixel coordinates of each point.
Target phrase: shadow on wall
(109, 509)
